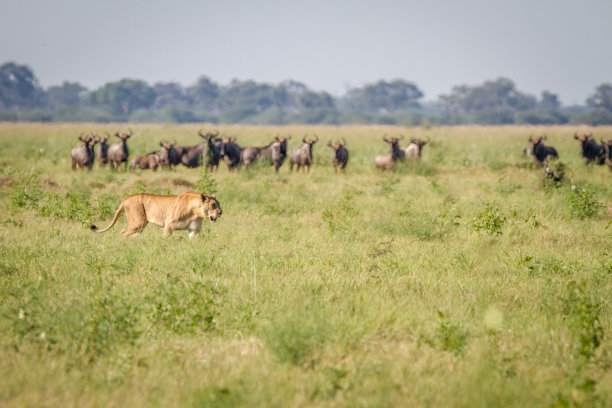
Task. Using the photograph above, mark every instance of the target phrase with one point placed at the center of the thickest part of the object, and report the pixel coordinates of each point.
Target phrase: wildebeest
(387, 161)
(608, 152)
(274, 153)
(167, 155)
(591, 150)
(103, 151)
(413, 151)
(191, 156)
(302, 155)
(540, 152)
(118, 153)
(213, 154)
(149, 161)
(83, 155)
(341, 155)
(231, 153)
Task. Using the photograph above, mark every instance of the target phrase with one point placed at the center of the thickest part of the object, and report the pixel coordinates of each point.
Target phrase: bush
(582, 203)
(490, 220)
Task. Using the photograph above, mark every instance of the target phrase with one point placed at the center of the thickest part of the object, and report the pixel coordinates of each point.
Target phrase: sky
(563, 46)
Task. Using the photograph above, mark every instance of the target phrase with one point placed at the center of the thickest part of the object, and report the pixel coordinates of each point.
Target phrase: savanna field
(462, 280)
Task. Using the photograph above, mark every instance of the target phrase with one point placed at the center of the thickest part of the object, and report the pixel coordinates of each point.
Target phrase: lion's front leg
(168, 230)
(195, 227)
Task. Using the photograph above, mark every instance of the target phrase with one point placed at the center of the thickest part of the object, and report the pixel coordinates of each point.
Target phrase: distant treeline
(396, 102)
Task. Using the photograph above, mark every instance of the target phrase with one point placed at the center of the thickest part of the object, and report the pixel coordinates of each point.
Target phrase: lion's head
(210, 207)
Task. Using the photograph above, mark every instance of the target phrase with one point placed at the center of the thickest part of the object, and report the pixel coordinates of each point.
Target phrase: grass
(461, 280)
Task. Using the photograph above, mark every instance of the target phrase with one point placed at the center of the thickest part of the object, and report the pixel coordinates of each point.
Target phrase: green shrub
(490, 220)
(582, 202)
(447, 336)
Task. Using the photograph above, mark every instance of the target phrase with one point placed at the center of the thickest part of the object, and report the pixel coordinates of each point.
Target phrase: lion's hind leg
(136, 220)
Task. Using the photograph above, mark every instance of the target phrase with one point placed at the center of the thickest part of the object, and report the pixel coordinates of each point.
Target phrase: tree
(381, 97)
(19, 87)
(123, 97)
(549, 101)
(66, 94)
(204, 94)
(602, 98)
(170, 94)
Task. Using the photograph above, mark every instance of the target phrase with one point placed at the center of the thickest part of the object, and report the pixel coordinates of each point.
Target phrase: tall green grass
(459, 280)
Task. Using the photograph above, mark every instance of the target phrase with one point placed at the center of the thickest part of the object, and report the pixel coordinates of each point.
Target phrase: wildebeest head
(283, 144)
(124, 136)
(396, 152)
(337, 145)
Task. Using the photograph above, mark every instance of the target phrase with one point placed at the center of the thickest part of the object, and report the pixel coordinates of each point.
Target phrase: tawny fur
(183, 212)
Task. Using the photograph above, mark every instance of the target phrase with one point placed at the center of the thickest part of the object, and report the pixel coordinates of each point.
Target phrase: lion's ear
(213, 196)
(204, 196)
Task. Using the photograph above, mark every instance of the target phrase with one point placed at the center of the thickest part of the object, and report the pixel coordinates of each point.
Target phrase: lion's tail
(117, 214)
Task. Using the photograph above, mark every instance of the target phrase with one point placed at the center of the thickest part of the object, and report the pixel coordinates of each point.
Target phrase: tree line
(398, 102)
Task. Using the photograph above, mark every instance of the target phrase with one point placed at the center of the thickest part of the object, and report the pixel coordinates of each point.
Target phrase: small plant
(554, 171)
(490, 220)
(448, 336)
(582, 202)
(26, 192)
(206, 183)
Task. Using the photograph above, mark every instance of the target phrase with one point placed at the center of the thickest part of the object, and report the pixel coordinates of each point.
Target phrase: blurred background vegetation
(396, 102)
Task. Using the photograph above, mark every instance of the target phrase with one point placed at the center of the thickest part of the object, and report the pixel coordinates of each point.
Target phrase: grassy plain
(459, 281)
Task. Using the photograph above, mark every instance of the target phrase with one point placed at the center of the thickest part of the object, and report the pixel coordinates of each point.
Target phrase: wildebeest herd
(215, 149)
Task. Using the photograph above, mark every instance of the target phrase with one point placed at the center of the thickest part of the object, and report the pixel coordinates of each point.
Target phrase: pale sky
(564, 46)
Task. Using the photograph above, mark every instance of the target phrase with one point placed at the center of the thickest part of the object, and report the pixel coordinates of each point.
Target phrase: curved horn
(576, 135)
(385, 139)
(131, 132)
(201, 134)
(343, 142)
(317, 138)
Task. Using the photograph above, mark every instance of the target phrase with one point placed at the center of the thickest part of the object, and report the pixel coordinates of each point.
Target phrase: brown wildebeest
(168, 156)
(150, 161)
(83, 155)
(413, 151)
(540, 152)
(274, 153)
(387, 161)
(118, 153)
(341, 155)
(590, 149)
(302, 155)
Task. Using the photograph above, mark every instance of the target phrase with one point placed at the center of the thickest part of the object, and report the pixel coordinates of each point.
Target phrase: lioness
(184, 211)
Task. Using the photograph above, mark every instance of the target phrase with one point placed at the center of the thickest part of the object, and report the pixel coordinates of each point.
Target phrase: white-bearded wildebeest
(590, 149)
(274, 153)
(83, 155)
(103, 151)
(231, 153)
(387, 161)
(413, 151)
(540, 152)
(302, 155)
(118, 153)
(341, 155)
(213, 154)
